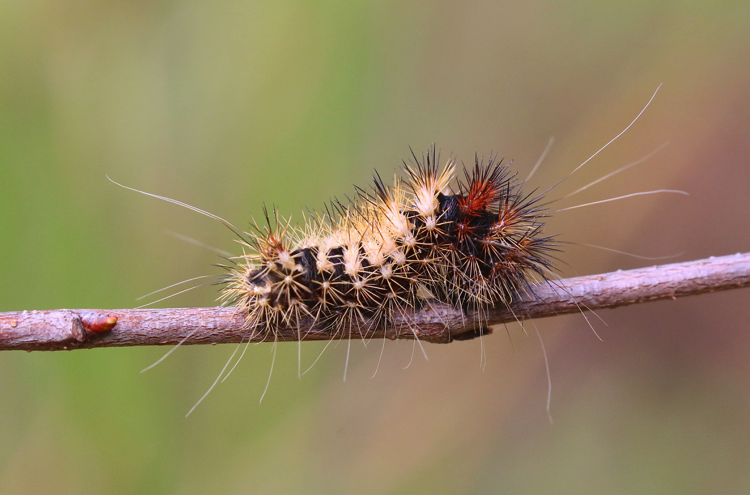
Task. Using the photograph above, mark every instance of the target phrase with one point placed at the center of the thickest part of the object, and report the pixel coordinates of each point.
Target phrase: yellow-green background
(229, 104)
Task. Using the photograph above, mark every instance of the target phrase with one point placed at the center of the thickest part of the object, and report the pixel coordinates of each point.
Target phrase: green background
(229, 104)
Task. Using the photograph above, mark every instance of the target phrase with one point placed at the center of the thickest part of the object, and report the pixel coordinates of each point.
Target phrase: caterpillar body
(472, 242)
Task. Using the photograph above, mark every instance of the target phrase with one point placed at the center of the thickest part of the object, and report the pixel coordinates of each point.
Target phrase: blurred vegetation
(226, 105)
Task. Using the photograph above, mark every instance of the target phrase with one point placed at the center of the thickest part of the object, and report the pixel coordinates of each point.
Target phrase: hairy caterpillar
(472, 242)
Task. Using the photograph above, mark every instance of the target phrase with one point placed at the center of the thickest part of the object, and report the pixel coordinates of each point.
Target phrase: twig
(63, 329)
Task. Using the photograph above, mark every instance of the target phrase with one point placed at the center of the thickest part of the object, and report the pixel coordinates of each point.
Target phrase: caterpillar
(472, 242)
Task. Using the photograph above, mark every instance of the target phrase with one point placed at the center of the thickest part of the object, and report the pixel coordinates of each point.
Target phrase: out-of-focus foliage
(229, 104)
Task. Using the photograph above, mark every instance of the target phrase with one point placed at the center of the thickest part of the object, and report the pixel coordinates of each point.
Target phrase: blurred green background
(229, 104)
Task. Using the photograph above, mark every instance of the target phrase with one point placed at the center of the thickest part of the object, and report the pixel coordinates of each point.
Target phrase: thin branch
(73, 329)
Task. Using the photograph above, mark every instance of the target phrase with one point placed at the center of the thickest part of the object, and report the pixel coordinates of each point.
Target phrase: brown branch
(77, 329)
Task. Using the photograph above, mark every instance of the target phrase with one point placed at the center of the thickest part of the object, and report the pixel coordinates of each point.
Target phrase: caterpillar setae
(473, 240)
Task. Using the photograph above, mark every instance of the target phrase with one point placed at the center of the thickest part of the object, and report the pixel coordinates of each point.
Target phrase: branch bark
(73, 329)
